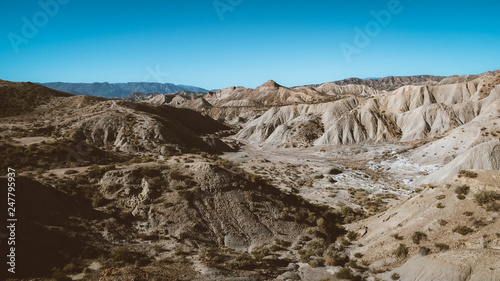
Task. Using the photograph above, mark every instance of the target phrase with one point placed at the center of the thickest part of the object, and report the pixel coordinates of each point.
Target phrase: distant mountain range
(389, 82)
(132, 90)
(119, 90)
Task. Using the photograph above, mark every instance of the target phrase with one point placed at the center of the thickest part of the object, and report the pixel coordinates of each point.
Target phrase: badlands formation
(377, 179)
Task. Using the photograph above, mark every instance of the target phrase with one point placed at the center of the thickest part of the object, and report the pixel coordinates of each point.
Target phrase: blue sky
(216, 44)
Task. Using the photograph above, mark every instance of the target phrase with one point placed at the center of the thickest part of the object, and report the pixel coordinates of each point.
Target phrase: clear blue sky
(292, 42)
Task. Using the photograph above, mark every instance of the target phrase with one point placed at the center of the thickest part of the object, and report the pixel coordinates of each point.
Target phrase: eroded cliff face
(407, 114)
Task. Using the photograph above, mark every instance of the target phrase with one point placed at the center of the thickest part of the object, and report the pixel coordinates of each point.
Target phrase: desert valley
(396, 178)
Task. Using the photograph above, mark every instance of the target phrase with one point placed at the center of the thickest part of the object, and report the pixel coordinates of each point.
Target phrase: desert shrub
(442, 246)
(358, 255)
(252, 177)
(467, 174)
(442, 222)
(486, 196)
(468, 214)
(351, 215)
(242, 261)
(418, 236)
(401, 251)
(493, 207)
(212, 256)
(460, 196)
(463, 230)
(462, 189)
(395, 276)
(275, 248)
(354, 265)
(352, 236)
(316, 247)
(347, 273)
(260, 252)
(81, 180)
(397, 236)
(343, 241)
(479, 223)
(440, 205)
(98, 200)
(317, 262)
(335, 257)
(440, 197)
(424, 251)
(226, 164)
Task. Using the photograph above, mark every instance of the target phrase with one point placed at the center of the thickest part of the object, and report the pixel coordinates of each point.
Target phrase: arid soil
(389, 179)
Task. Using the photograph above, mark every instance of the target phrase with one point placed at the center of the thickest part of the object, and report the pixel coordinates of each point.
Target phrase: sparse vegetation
(486, 196)
(467, 174)
(397, 236)
(352, 236)
(462, 190)
(316, 262)
(158, 201)
(313, 248)
(395, 276)
(401, 251)
(418, 236)
(212, 256)
(424, 251)
(442, 246)
(493, 207)
(463, 230)
(442, 222)
(334, 256)
(440, 197)
(347, 274)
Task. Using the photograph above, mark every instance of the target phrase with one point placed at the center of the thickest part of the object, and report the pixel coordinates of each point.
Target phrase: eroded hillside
(377, 179)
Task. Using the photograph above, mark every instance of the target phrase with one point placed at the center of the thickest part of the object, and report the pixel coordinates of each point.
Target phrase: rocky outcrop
(407, 114)
(273, 94)
(206, 205)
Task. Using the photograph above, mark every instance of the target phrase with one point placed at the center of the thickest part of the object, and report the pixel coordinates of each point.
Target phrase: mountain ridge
(119, 90)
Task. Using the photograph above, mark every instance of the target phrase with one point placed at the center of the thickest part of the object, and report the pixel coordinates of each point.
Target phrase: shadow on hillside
(49, 231)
